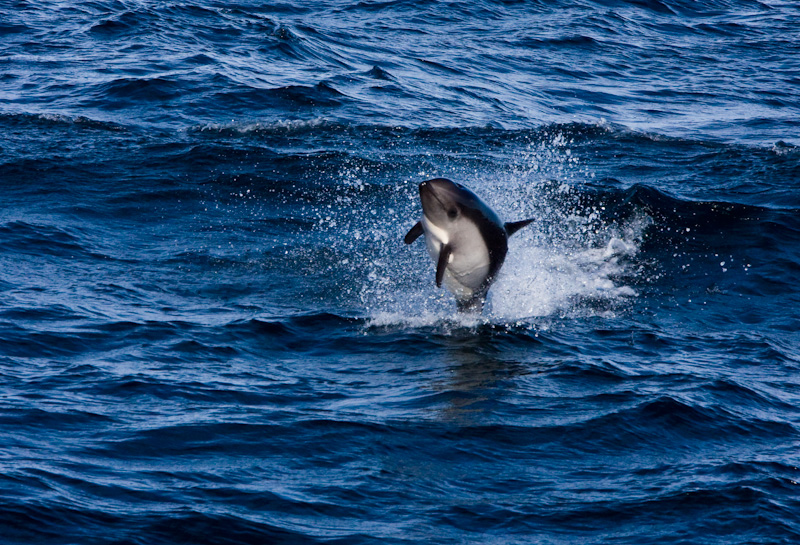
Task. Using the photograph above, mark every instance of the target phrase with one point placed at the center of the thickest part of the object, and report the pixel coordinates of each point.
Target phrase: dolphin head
(444, 201)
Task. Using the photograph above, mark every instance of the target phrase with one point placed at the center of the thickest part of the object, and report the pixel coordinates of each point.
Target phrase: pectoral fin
(444, 259)
(514, 226)
(413, 234)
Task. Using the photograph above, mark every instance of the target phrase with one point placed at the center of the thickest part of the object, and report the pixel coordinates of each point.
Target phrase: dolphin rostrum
(465, 239)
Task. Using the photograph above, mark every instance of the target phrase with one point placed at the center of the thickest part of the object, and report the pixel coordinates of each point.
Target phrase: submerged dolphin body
(465, 239)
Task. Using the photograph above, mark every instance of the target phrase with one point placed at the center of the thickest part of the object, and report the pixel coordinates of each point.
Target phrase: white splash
(567, 263)
(542, 278)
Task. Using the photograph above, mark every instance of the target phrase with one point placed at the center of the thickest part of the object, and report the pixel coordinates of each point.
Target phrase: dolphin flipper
(444, 259)
(514, 226)
(414, 233)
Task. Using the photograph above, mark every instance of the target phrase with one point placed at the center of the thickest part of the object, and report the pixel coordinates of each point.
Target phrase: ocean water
(211, 331)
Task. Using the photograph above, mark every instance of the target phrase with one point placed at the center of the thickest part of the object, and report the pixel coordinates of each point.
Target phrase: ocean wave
(321, 94)
(38, 239)
(27, 119)
(334, 66)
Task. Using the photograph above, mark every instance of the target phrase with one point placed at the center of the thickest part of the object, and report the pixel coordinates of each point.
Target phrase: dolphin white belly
(469, 261)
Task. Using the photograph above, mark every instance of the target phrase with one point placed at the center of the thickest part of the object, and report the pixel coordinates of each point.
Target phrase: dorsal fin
(514, 226)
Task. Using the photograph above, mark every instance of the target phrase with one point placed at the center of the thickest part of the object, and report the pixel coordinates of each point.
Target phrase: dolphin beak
(424, 188)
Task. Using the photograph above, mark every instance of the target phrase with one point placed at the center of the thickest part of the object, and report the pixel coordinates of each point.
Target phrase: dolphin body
(465, 239)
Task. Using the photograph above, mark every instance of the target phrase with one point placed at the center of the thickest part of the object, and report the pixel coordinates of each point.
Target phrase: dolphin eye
(452, 213)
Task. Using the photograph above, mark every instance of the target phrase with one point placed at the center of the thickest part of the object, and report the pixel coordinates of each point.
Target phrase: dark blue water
(211, 331)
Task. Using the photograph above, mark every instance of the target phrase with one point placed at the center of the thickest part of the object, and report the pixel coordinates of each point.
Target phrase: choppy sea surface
(211, 331)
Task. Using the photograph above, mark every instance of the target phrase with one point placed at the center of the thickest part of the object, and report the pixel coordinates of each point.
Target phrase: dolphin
(465, 239)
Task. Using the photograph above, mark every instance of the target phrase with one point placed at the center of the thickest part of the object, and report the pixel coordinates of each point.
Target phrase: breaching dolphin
(465, 239)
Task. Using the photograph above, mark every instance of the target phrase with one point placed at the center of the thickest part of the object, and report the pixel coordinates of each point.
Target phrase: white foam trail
(245, 127)
(448, 321)
(540, 280)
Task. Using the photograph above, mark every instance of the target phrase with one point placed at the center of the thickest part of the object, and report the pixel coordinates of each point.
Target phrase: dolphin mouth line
(435, 196)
